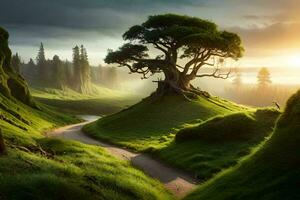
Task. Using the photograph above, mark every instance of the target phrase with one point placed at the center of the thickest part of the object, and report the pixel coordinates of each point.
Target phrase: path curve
(176, 181)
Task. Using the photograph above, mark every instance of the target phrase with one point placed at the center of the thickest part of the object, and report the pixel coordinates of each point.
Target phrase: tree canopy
(178, 46)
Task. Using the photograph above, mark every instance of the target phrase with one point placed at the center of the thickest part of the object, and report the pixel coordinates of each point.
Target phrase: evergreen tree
(42, 63)
(85, 71)
(237, 81)
(77, 69)
(58, 73)
(264, 77)
(16, 62)
(31, 63)
(112, 77)
(68, 73)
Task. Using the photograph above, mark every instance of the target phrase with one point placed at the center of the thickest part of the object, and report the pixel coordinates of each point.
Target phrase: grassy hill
(220, 142)
(103, 100)
(35, 167)
(12, 85)
(271, 172)
(151, 126)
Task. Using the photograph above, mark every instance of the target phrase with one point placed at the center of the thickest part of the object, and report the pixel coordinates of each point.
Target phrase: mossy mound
(11, 83)
(232, 127)
(149, 123)
(271, 173)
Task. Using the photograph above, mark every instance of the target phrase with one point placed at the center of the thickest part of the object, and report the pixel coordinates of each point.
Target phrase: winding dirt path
(176, 181)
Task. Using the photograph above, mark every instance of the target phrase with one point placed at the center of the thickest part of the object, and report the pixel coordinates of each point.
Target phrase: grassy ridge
(152, 126)
(219, 142)
(272, 172)
(103, 100)
(36, 167)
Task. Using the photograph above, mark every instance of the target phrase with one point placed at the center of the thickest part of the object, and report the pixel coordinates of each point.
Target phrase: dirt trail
(174, 180)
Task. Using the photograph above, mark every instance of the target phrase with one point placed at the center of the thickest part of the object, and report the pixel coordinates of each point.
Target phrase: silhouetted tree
(31, 63)
(16, 62)
(237, 81)
(192, 41)
(77, 69)
(263, 77)
(59, 76)
(69, 72)
(42, 63)
(85, 71)
(112, 77)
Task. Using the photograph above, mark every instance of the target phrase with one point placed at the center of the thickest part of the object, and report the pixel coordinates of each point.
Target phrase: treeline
(263, 93)
(60, 74)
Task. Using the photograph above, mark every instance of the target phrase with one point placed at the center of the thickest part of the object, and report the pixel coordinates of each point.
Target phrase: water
(89, 118)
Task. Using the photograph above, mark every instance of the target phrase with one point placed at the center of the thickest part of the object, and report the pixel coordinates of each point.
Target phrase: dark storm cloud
(61, 23)
(78, 19)
(81, 14)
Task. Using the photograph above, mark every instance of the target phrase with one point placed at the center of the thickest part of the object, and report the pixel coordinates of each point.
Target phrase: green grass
(218, 143)
(36, 167)
(270, 173)
(152, 124)
(151, 127)
(102, 102)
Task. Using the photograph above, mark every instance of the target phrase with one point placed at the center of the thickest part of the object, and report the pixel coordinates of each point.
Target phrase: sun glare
(295, 60)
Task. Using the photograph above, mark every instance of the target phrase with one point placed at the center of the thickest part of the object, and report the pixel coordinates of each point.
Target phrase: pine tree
(31, 63)
(237, 81)
(16, 62)
(77, 69)
(112, 77)
(68, 73)
(264, 77)
(85, 71)
(59, 78)
(42, 63)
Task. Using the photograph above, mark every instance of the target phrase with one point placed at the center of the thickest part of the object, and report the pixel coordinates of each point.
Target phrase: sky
(270, 29)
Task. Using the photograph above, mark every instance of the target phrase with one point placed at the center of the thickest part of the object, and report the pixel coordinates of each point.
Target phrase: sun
(294, 60)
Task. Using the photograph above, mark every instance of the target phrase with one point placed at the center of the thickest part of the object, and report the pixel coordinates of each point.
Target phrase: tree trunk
(177, 83)
(2, 144)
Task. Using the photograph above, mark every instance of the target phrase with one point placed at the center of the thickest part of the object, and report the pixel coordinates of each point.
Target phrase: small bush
(236, 126)
(232, 127)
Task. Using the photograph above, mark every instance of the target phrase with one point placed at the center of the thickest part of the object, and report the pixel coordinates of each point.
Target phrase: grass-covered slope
(103, 100)
(12, 85)
(240, 126)
(213, 133)
(219, 142)
(35, 167)
(271, 173)
(151, 124)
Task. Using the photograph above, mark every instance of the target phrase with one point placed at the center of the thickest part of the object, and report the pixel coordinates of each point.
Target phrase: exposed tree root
(167, 87)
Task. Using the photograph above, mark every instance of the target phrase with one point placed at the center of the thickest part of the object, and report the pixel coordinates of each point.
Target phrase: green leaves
(171, 34)
(128, 52)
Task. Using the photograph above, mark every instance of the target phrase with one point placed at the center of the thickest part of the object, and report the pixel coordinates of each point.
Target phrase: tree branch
(216, 75)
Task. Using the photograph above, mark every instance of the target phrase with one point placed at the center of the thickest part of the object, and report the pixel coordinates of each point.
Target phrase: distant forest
(56, 73)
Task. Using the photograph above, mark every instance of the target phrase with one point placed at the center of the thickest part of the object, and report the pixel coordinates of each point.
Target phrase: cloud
(265, 25)
(264, 41)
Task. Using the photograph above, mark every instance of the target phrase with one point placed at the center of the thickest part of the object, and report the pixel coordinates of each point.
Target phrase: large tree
(177, 46)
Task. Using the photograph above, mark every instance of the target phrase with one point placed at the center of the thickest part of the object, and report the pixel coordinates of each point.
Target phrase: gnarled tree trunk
(176, 82)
